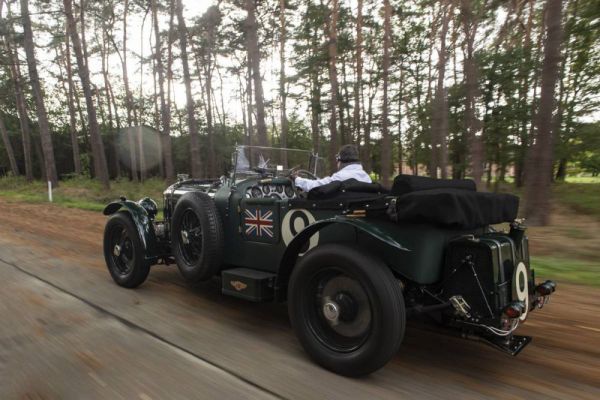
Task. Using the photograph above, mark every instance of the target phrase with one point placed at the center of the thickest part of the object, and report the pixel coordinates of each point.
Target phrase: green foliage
(581, 197)
(567, 270)
(298, 134)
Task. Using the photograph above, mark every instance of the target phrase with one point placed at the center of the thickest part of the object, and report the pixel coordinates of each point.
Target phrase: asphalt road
(68, 332)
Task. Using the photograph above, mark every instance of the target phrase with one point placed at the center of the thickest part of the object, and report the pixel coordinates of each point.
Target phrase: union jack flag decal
(259, 223)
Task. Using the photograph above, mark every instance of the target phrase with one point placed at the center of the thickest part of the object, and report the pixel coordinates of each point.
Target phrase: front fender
(140, 219)
(290, 256)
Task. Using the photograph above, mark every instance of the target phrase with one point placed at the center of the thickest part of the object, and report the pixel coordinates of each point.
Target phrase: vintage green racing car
(353, 260)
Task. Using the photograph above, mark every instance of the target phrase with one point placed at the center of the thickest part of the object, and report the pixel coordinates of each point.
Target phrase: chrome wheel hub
(185, 237)
(117, 250)
(331, 311)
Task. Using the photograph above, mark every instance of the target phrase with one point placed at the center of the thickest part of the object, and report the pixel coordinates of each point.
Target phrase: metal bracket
(460, 305)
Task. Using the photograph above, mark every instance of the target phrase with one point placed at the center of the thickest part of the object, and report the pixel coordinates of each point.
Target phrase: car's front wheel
(347, 309)
(123, 251)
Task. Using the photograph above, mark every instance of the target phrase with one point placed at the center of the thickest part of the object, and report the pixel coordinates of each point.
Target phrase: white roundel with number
(293, 223)
(521, 287)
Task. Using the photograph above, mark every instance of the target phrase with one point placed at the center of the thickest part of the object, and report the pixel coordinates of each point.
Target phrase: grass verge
(82, 193)
(567, 270)
(581, 197)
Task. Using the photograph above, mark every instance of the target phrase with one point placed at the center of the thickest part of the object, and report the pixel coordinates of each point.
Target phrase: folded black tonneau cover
(455, 208)
(451, 203)
(412, 183)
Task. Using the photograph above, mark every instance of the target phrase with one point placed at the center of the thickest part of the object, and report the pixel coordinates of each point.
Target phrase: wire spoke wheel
(191, 237)
(122, 254)
(197, 237)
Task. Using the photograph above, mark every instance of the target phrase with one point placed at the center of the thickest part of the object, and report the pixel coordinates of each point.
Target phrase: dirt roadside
(63, 246)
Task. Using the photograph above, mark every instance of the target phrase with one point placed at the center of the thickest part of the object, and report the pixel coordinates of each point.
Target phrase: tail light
(514, 309)
(546, 288)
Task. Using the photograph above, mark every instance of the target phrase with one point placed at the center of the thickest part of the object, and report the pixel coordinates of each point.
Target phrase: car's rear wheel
(347, 309)
(123, 251)
(197, 237)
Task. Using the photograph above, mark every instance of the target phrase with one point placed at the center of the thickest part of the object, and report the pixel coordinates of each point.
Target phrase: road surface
(68, 332)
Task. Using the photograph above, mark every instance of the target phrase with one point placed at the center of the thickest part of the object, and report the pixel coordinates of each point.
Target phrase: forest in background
(492, 90)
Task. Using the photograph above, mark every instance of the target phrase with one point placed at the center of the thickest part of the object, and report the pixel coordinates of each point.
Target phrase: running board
(248, 284)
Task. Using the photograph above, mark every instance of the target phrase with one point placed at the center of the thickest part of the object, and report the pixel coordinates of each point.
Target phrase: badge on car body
(237, 285)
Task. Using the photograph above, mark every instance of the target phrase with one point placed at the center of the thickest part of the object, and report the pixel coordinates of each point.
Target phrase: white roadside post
(50, 191)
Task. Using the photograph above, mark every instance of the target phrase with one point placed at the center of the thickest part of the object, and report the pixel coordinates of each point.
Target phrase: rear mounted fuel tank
(481, 270)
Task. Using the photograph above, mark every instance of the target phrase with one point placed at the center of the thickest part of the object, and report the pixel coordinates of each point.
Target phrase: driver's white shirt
(355, 171)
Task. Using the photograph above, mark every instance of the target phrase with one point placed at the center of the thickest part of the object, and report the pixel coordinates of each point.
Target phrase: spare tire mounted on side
(197, 237)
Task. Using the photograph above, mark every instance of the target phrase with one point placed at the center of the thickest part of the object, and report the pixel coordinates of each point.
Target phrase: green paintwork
(142, 222)
(370, 228)
(413, 251)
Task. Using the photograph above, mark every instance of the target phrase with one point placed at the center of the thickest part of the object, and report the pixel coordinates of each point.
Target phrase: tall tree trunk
(566, 105)
(250, 140)
(192, 123)
(282, 81)
(111, 100)
(400, 116)
(538, 178)
(523, 99)
(100, 166)
(315, 110)
(9, 148)
(113, 154)
(165, 112)
(474, 138)
(156, 119)
(140, 131)
(345, 134)
(208, 75)
(15, 72)
(210, 132)
(366, 154)
(46, 138)
(331, 28)
(386, 140)
(171, 40)
(128, 98)
(40, 155)
(439, 119)
(66, 55)
(432, 36)
(358, 81)
(254, 53)
(83, 38)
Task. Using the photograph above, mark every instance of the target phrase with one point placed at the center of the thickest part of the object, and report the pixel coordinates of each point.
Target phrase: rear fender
(292, 252)
(141, 221)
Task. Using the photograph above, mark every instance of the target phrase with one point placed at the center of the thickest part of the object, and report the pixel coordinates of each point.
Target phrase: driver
(348, 165)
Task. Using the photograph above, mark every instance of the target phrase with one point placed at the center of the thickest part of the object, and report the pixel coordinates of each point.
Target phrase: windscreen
(255, 160)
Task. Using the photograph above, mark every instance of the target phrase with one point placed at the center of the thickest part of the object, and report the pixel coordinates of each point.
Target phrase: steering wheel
(307, 173)
(304, 172)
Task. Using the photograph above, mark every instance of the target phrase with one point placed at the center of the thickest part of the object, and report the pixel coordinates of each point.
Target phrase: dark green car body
(414, 251)
(477, 282)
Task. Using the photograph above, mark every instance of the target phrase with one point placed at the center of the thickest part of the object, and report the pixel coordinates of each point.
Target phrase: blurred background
(110, 98)
(117, 97)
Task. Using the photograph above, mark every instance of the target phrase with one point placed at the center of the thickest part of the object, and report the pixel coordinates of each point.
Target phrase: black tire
(353, 345)
(197, 237)
(124, 252)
